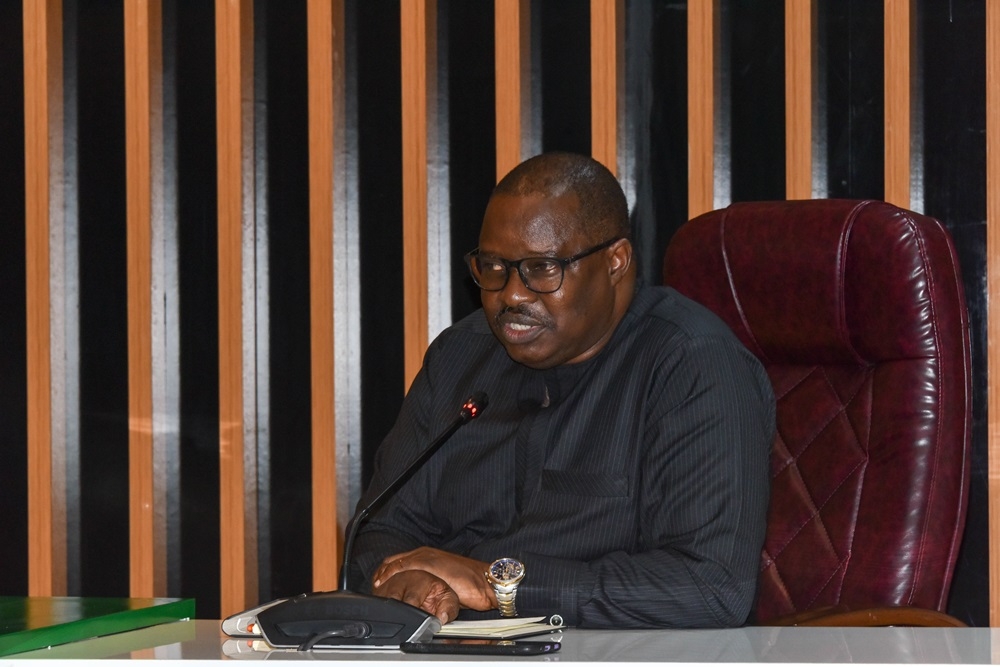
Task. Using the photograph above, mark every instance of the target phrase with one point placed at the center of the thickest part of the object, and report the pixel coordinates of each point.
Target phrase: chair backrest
(857, 311)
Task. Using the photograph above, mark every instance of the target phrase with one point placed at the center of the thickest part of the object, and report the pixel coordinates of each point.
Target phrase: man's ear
(620, 261)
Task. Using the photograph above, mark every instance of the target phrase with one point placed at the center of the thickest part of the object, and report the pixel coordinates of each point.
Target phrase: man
(622, 463)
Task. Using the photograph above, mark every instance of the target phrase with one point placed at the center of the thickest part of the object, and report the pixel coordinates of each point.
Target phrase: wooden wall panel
(798, 98)
(897, 102)
(512, 61)
(607, 70)
(234, 121)
(43, 203)
(143, 64)
(993, 289)
(701, 106)
(326, 29)
(417, 19)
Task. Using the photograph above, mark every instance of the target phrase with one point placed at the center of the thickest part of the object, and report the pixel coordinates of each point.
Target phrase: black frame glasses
(530, 269)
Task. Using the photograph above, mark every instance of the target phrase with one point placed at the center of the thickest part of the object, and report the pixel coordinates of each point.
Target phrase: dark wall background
(13, 365)
(950, 106)
(467, 32)
(97, 28)
(380, 199)
(285, 504)
(850, 44)
(189, 57)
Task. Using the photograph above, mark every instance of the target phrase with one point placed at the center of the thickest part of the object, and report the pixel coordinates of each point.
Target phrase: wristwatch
(504, 574)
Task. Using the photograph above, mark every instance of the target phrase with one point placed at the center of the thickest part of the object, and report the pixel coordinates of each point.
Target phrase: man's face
(546, 330)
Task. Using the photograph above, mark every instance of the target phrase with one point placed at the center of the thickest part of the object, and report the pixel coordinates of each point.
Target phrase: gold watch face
(506, 570)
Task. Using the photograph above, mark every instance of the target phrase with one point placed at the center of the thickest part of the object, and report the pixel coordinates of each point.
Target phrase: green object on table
(38, 622)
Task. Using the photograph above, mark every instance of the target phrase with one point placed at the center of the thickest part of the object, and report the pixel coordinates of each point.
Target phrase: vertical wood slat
(43, 204)
(326, 23)
(511, 21)
(701, 106)
(606, 80)
(416, 18)
(142, 74)
(993, 298)
(897, 102)
(234, 77)
(798, 99)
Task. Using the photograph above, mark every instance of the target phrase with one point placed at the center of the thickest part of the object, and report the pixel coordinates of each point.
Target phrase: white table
(201, 642)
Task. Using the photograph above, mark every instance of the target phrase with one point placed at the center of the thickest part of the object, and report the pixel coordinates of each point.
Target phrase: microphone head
(474, 405)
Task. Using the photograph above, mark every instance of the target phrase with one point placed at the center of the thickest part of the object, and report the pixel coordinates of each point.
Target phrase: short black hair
(603, 210)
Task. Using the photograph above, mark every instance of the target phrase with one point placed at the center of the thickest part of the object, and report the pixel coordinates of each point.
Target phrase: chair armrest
(873, 617)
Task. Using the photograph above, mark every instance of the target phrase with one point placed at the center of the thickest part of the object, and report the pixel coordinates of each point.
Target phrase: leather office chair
(857, 311)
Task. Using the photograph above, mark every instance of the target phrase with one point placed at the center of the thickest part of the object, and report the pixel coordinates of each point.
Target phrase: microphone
(342, 618)
(470, 410)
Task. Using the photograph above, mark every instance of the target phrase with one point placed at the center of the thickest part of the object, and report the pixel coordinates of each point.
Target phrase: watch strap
(505, 600)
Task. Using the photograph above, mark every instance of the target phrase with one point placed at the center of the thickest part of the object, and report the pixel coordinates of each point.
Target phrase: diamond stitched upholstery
(856, 310)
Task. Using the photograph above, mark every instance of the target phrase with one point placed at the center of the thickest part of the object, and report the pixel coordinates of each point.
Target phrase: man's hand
(422, 590)
(464, 576)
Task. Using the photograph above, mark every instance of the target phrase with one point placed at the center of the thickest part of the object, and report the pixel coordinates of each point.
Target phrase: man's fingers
(444, 606)
(463, 575)
(422, 590)
(441, 601)
(414, 598)
(390, 567)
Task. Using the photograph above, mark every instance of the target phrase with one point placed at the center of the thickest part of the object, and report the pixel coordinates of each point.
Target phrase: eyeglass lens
(539, 274)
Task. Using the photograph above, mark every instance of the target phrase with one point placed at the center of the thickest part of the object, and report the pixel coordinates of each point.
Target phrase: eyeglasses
(543, 275)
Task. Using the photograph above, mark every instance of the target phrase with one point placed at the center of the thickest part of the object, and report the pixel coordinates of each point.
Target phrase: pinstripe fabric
(644, 484)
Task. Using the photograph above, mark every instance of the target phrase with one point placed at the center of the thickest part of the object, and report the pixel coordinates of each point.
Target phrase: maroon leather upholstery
(856, 309)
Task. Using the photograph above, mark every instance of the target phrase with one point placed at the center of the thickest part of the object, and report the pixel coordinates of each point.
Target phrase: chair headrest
(823, 281)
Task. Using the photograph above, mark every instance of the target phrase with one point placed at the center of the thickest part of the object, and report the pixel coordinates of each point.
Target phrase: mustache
(520, 314)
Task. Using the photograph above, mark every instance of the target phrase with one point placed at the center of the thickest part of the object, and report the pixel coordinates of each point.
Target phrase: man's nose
(516, 291)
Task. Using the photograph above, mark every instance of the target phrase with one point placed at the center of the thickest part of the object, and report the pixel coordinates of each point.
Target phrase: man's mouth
(518, 333)
(518, 328)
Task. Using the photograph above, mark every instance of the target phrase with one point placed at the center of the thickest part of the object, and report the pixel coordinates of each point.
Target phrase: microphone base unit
(244, 624)
(335, 619)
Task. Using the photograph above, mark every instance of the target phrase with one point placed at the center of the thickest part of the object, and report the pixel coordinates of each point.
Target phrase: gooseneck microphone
(470, 410)
(341, 618)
